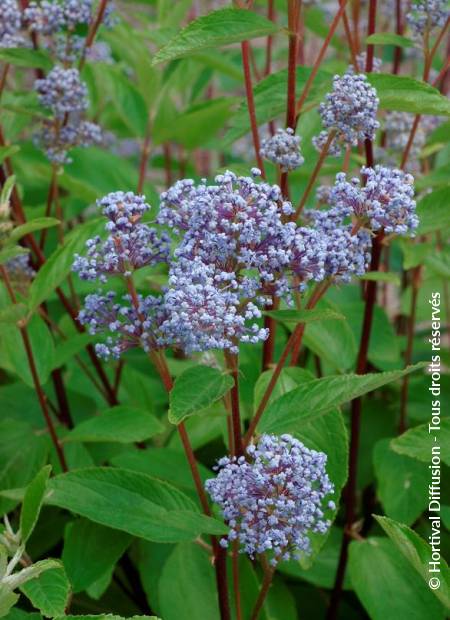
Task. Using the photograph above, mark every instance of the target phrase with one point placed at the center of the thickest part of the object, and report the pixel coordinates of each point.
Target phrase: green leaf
(387, 585)
(433, 211)
(290, 317)
(334, 342)
(418, 553)
(37, 224)
(421, 443)
(49, 592)
(131, 502)
(195, 389)
(90, 550)
(405, 495)
(163, 463)
(389, 38)
(105, 617)
(7, 599)
(13, 313)
(128, 101)
(69, 348)
(19, 466)
(7, 151)
(32, 502)
(59, 265)
(218, 28)
(13, 355)
(289, 379)
(190, 568)
(122, 424)
(24, 57)
(405, 94)
(320, 396)
(196, 125)
(382, 276)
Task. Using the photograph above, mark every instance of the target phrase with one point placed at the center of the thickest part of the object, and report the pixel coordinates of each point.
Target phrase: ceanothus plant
(223, 274)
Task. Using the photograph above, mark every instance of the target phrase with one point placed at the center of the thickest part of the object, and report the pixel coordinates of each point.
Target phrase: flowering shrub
(224, 308)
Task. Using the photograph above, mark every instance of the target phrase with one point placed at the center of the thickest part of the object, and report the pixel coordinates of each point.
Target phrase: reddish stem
(268, 576)
(294, 340)
(92, 33)
(271, 16)
(245, 47)
(233, 366)
(398, 52)
(415, 285)
(315, 173)
(34, 373)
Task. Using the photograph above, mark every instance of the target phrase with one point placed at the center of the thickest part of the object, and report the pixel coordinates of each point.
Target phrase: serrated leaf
(406, 94)
(7, 599)
(218, 28)
(49, 592)
(421, 443)
(131, 502)
(121, 423)
(290, 317)
(195, 389)
(321, 395)
(387, 585)
(32, 502)
(418, 553)
(389, 38)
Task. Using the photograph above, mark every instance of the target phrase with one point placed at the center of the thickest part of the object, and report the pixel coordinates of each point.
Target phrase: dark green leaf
(38, 223)
(433, 211)
(49, 592)
(421, 443)
(387, 585)
(418, 553)
(195, 389)
(290, 317)
(131, 502)
(32, 502)
(405, 495)
(91, 550)
(121, 423)
(321, 395)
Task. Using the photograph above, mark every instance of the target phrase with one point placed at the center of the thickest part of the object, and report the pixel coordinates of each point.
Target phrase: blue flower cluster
(127, 326)
(426, 15)
(130, 245)
(273, 498)
(386, 201)
(10, 24)
(283, 149)
(63, 92)
(236, 248)
(350, 110)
